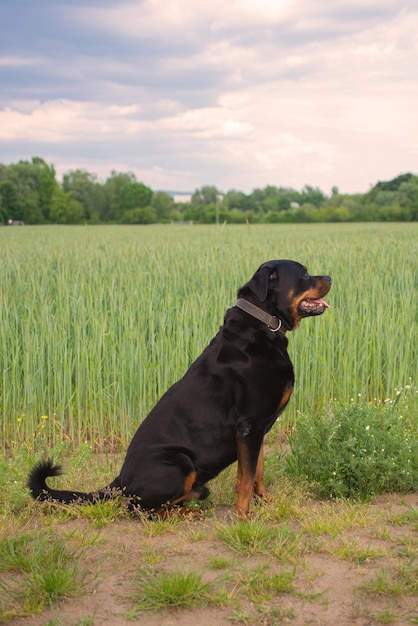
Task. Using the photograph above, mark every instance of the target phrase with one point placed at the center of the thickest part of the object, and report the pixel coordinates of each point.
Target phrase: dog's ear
(259, 284)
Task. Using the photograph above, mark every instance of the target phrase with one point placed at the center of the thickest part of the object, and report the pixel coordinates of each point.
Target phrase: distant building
(181, 197)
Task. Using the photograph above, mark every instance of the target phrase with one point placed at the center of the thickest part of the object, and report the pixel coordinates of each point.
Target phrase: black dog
(223, 406)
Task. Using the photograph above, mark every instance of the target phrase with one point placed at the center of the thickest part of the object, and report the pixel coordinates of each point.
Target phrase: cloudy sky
(233, 93)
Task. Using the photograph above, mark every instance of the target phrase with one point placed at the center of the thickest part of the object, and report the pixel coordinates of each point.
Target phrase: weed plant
(169, 590)
(354, 552)
(261, 585)
(357, 452)
(403, 581)
(248, 537)
(37, 569)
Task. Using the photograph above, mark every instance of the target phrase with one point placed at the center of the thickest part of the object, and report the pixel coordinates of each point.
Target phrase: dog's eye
(306, 276)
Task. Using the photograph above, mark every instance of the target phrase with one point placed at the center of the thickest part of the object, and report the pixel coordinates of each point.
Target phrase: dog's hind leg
(170, 477)
(259, 486)
(190, 492)
(188, 488)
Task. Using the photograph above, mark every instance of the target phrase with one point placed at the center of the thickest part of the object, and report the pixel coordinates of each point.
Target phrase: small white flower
(367, 427)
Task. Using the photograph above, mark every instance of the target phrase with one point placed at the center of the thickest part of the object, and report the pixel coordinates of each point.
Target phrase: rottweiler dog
(221, 409)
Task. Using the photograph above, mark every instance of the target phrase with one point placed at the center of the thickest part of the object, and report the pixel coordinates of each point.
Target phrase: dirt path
(329, 569)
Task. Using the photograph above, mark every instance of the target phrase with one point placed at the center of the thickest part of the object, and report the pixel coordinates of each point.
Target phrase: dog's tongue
(313, 307)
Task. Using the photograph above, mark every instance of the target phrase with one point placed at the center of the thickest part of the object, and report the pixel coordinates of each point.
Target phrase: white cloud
(19, 61)
(179, 18)
(55, 121)
(239, 94)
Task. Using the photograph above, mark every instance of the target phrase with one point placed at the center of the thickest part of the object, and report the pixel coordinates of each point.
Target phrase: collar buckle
(273, 323)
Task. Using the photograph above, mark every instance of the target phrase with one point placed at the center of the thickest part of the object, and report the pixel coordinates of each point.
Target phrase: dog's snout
(328, 279)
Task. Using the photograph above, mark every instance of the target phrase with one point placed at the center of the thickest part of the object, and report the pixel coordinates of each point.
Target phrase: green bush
(358, 452)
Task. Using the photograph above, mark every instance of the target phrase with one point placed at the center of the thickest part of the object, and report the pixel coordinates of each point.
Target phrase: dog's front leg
(250, 474)
(259, 486)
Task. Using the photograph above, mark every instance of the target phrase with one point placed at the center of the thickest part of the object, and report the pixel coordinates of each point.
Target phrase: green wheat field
(97, 322)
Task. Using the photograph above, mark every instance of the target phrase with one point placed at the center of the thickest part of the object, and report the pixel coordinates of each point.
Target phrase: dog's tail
(39, 490)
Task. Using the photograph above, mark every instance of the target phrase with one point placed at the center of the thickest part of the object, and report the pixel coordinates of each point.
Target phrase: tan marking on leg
(239, 477)
(188, 485)
(246, 480)
(244, 496)
(259, 487)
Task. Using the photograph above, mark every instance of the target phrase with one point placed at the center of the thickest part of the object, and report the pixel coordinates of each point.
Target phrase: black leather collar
(271, 321)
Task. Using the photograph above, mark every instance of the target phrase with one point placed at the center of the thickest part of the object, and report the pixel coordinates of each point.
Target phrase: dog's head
(286, 290)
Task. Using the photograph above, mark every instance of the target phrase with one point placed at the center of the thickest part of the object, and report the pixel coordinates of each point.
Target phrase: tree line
(30, 193)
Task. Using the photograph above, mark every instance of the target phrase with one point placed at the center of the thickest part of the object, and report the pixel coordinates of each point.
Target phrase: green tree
(273, 217)
(163, 206)
(394, 184)
(65, 209)
(305, 213)
(209, 214)
(86, 189)
(140, 215)
(35, 184)
(135, 195)
(236, 216)
(333, 214)
(114, 192)
(8, 201)
(408, 197)
(311, 195)
(47, 184)
(255, 199)
(238, 200)
(270, 199)
(273, 198)
(205, 195)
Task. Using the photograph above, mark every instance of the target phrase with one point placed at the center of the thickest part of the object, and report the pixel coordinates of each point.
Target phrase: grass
(97, 322)
(333, 518)
(247, 537)
(41, 569)
(406, 517)
(351, 550)
(263, 615)
(219, 562)
(403, 580)
(260, 585)
(169, 590)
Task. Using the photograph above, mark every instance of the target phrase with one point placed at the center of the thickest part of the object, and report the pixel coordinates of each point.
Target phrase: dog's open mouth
(312, 307)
